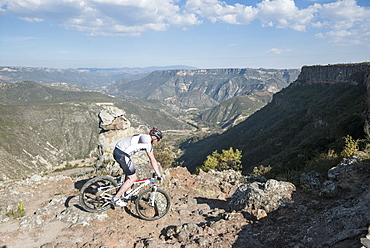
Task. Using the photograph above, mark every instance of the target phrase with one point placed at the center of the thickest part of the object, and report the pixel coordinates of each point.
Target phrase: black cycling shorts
(124, 161)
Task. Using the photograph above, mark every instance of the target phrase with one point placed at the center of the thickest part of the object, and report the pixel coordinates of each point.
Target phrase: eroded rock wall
(339, 73)
(367, 83)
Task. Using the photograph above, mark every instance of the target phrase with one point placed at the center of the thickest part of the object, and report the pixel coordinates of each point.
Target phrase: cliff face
(227, 95)
(216, 85)
(307, 118)
(367, 83)
(346, 73)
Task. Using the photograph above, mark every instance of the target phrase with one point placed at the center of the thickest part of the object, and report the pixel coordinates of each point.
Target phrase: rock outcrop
(339, 73)
(114, 127)
(259, 199)
(367, 117)
(199, 217)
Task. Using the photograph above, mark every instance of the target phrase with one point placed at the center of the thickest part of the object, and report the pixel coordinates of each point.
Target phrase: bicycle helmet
(156, 132)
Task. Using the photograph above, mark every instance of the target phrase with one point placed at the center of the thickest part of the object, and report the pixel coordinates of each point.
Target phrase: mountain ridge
(305, 117)
(204, 89)
(259, 146)
(175, 91)
(216, 83)
(42, 126)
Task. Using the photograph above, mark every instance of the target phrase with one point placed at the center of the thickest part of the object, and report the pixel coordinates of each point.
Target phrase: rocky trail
(201, 215)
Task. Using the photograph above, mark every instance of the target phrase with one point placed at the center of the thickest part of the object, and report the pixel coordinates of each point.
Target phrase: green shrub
(19, 212)
(164, 155)
(228, 159)
(350, 146)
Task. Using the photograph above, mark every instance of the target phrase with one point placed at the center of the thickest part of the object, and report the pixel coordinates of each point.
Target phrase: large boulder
(114, 127)
(113, 118)
(259, 199)
(347, 165)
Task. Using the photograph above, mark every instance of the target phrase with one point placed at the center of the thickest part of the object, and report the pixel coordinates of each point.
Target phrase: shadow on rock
(213, 203)
(79, 184)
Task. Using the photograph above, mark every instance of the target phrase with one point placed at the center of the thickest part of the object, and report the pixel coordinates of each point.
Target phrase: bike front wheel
(96, 193)
(152, 205)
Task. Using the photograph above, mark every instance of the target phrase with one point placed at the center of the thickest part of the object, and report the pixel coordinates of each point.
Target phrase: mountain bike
(150, 204)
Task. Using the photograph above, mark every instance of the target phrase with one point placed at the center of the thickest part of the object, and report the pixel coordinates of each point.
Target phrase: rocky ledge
(214, 209)
(339, 73)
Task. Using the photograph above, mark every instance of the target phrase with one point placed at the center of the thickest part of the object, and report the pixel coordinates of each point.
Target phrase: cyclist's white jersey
(135, 143)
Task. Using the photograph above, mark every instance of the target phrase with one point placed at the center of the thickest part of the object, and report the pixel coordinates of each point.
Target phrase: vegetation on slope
(302, 122)
(41, 126)
(232, 111)
(33, 93)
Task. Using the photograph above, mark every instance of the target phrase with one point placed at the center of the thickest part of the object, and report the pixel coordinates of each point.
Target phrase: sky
(279, 34)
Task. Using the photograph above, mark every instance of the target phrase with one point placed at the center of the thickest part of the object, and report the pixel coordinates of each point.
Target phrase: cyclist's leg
(128, 167)
(130, 179)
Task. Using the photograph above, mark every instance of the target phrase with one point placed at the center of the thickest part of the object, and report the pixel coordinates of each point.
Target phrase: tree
(350, 146)
(228, 159)
(164, 155)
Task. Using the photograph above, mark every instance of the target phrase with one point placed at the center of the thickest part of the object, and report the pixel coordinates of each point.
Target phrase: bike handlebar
(159, 178)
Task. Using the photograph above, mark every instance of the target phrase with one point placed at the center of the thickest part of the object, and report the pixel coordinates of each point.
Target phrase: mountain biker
(122, 153)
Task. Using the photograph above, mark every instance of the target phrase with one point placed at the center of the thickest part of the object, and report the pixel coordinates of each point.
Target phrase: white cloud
(344, 14)
(219, 11)
(34, 19)
(332, 19)
(345, 22)
(338, 20)
(103, 17)
(285, 14)
(278, 50)
(279, 13)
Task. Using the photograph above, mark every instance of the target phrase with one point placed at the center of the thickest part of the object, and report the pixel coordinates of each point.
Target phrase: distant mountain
(175, 91)
(219, 84)
(144, 69)
(309, 117)
(44, 125)
(88, 79)
(210, 90)
(33, 93)
(232, 111)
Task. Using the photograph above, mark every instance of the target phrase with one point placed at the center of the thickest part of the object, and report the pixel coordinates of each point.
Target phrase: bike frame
(142, 183)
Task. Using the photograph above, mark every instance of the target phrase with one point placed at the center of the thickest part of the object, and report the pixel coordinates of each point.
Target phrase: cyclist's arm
(153, 162)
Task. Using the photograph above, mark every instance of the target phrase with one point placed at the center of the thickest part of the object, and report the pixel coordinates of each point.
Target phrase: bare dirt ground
(198, 217)
(120, 227)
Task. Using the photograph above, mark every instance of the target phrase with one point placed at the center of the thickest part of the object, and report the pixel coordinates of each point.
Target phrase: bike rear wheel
(152, 211)
(96, 193)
